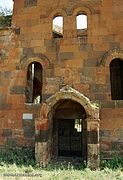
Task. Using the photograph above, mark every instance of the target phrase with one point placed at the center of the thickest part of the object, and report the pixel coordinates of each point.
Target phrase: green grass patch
(23, 156)
(20, 163)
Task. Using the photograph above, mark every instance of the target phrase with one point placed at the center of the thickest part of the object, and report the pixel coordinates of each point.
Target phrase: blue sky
(6, 4)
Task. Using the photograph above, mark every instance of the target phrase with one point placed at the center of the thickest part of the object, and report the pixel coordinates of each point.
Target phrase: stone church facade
(62, 92)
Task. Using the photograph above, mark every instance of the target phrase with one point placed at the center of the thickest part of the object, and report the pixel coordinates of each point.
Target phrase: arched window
(58, 27)
(81, 24)
(34, 83)
(116, 77)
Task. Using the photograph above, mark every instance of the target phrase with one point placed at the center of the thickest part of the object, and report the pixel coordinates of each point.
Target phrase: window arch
(116, 78)
(34, 83)
(81, 24)
(57, 27)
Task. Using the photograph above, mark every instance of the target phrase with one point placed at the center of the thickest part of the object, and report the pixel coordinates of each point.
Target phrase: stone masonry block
(117, 145)
(92, 137)
(42, 136)
(12, 142)
(85, 48)
(100, 96)
(66, 55)
(3, 104)
(29, 129)
(108, 104)
(17, 90)
(105, 134)
(7, 132)
(91, 62)
(29, 3)
(99, 88)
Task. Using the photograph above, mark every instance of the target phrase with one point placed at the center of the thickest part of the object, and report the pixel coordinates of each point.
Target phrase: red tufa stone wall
(82, 63)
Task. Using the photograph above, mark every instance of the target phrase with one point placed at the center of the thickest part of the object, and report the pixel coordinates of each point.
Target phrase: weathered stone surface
(85, 47)
(29, 3)
(17, 31)
(3, 104)
(66, 55)
(29, 129)
(81, 59)
(7, 132)
(12, 142)
(17, 90)
(27, 52)
(117, 146)
(92, 137)
(93, 156)
(42, 136)
(105, 133)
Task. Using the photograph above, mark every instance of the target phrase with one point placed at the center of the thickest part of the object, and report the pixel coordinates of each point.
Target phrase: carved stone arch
(82, 9)
(71, 94)
(109, 56)
(43, 61)
(57, 12)
(89, 8)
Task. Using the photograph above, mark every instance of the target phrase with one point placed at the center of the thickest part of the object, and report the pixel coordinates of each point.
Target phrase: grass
(62, 173)
(20, 164)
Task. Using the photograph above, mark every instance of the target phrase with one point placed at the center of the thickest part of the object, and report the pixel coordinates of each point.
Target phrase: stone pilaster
(93, 147)
(42, 154)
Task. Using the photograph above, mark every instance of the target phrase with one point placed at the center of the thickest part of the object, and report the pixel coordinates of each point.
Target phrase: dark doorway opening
(116, 77)
(70, 137)
(70, 130)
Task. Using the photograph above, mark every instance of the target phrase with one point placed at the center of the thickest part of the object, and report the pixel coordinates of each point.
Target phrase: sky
(6, 4)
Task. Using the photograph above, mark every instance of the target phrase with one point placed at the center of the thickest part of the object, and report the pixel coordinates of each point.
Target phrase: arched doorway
(69, 130)
(61, 116)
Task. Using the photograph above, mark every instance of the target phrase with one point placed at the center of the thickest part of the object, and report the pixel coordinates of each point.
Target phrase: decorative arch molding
(57, 12)
(109, 56)
(84, 7)
(43, 60)
(69, 93)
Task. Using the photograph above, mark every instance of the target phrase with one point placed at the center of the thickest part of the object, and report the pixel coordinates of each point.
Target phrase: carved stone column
(93, 147)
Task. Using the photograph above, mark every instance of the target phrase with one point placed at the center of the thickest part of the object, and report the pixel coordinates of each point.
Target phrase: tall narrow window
(81, 21)
(81, 24)
(34, 83)
(58, 27)
(116, 77)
